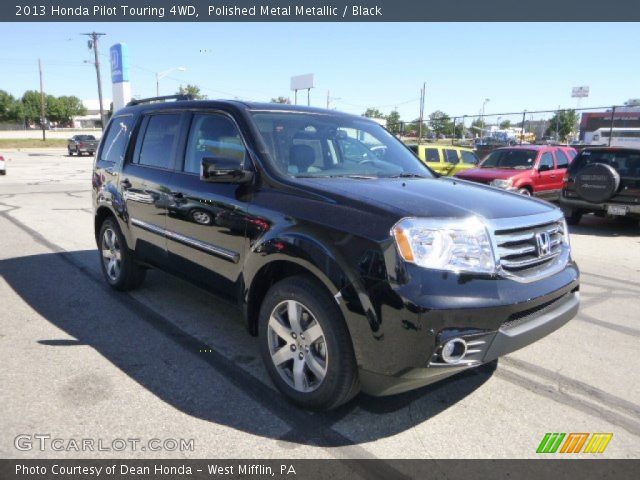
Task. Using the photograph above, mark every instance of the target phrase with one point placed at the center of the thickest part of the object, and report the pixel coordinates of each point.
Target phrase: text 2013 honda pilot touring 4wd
(358, 268)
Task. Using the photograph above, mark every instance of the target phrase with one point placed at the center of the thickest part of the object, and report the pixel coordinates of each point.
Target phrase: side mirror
(223, 170)
(544, 168)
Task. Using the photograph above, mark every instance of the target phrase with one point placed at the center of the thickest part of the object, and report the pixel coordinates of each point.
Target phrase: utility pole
(423, 92)
(42, 120)
(93, 44)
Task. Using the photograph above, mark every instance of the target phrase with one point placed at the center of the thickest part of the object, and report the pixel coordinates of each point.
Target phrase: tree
(440, 123)
(478, 126)
(192, 90)
(394, 123)
(562, 124)
(505, 124)
(69, 107)
(284, 100)
(10, 108)
(373, 113)
(31, 106)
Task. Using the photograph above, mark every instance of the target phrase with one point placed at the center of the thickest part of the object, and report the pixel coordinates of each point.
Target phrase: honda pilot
(358, 267)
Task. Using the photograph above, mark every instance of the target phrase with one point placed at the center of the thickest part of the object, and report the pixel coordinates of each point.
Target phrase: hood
(428, 197)
(488, 174)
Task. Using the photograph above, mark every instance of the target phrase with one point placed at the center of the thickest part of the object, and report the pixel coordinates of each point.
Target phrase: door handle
(125, 183)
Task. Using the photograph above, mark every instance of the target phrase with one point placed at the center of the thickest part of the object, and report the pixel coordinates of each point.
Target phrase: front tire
(306, 346)
(524, 191)
(118, 263)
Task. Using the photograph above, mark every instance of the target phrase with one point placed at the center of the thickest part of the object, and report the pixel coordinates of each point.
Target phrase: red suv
(527, 169)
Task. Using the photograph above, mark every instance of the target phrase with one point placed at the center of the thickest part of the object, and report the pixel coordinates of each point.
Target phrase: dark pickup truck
(80, 144)
(357, 266)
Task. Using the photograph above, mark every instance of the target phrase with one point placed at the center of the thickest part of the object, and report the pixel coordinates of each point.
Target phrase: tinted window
(413, 148)
(546, 159)
(431, 154)
(469, 157)
(117, 137)
(159, 141)
(561, 158)
(213, 136)
(85, 137)
(451, 156)
(627, 163)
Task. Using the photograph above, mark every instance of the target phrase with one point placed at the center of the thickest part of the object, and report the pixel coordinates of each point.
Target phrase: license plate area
(616, 210)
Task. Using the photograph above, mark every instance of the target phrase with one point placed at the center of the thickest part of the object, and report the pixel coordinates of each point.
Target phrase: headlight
(458, 245)
(501, 183)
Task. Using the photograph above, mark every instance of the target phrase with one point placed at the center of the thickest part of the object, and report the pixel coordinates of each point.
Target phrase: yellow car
(444, 159)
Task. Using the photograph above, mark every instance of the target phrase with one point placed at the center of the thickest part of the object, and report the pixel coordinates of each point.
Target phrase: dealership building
(625, 117)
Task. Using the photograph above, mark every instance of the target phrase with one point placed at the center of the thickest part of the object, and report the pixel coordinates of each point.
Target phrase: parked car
(80, 144)
(528, 170)
(604, 181)
(356, 273)
(3, 166)
(446, 160)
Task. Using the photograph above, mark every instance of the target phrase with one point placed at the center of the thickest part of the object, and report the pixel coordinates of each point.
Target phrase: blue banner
(120, 63)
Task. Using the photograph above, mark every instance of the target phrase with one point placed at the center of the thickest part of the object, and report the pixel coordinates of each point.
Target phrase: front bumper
(498, 315)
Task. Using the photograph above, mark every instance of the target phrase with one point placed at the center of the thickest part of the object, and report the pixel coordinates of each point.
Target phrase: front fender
(313, 251)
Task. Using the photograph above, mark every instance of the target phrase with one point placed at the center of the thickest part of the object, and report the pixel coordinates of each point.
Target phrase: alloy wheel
(297, 346)
(111, 254)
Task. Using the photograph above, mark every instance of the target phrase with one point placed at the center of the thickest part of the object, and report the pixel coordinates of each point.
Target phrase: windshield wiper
(408, 175)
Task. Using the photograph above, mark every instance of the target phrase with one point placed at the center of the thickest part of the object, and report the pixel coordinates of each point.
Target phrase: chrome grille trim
(516, 248)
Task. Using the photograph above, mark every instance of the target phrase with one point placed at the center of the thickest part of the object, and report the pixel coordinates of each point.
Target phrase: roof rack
(160, 99)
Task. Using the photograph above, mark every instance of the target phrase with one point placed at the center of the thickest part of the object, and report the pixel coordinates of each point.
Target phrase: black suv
(604, 181)
(356, 265)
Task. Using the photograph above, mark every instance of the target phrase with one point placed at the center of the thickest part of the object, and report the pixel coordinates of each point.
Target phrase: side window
(159, 140)
(413, 148)
(115, 142)
(451, 156)
(431, 154)
(213, 136)
(546, 159)
(469, 158)
(561, 159)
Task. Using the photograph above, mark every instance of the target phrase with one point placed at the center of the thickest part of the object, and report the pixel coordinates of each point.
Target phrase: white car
(3, 166)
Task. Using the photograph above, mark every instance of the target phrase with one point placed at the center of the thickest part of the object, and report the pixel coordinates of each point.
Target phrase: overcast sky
(382, 65)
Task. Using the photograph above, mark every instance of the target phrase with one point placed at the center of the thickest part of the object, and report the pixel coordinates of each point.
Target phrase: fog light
(454, 350)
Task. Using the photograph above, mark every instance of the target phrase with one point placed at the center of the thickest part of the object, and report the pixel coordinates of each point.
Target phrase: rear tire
(118, 263)
(302, 329)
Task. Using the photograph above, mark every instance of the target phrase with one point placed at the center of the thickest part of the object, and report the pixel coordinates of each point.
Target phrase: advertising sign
(119, 63)
(580, 92)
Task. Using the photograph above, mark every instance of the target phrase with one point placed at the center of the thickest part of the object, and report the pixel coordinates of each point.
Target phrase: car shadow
(66, 290)
(592, 225)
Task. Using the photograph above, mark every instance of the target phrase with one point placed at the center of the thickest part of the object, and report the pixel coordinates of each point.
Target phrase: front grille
(524, 316)
(525, 248)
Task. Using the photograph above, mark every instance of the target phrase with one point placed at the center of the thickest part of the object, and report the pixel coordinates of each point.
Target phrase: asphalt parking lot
(172, 362)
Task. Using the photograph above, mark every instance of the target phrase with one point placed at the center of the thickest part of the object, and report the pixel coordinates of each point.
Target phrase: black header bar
(319, 11)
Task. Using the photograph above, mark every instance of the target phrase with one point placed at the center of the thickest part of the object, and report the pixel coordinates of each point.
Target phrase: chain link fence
(574, 126)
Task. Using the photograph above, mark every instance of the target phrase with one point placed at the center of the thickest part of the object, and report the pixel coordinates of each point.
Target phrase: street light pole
(160, 75)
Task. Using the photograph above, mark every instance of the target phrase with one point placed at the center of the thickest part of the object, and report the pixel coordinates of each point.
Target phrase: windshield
(512, 159)
(86, 137)
(626, 163)
(319, 145)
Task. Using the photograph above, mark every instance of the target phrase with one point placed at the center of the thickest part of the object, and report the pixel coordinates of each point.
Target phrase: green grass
(32, 143)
